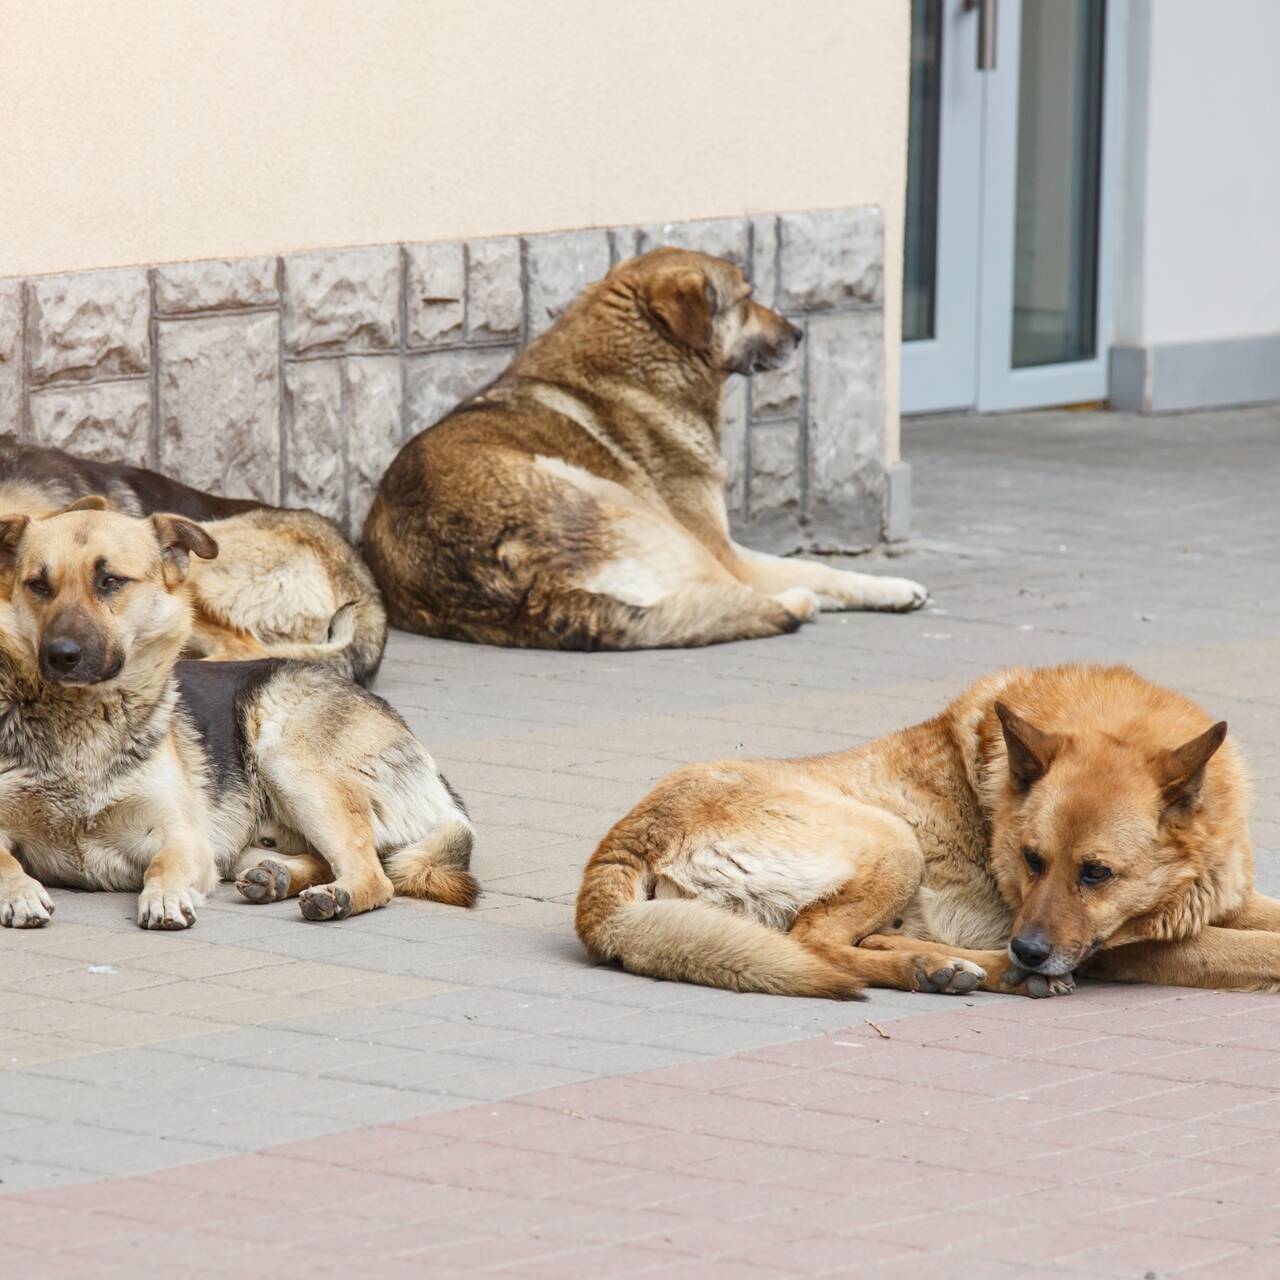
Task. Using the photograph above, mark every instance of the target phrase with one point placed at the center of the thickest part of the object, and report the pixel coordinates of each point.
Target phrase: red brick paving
(991, 1140)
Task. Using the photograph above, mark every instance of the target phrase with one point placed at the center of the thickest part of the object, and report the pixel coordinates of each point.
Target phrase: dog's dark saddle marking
(215, 696)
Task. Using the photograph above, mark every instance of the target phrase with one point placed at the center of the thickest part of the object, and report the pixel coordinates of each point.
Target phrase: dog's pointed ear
(1180, 772)
(179, 539)
(90, 502)
(11, 530)
(1030, 750)
(684, 304)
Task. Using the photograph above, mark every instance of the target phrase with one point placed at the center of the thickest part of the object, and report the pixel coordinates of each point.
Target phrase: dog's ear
(1030, 750)
(11, 530)
(1180, 772)
(90, 502)
(684, 304)
(179, 539)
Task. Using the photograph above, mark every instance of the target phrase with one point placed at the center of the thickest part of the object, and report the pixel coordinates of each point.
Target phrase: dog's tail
(690, 940)
(338, 651)
(437, 867)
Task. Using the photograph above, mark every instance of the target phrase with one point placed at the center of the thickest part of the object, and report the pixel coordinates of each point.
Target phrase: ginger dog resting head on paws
(1048, 822)
(579, 501)
(122, 767)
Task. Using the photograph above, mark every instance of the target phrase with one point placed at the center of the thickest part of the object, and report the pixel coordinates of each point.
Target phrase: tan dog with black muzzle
(123, 768)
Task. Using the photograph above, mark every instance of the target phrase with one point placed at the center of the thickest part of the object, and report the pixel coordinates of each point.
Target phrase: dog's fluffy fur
(282, 576)
(579, 501)
(124, 768)
(1081, 816)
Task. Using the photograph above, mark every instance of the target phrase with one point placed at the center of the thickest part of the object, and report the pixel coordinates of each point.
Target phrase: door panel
(1009, 171)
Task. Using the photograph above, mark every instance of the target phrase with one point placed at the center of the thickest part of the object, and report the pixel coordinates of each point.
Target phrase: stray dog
(578, 502)
(280, 580)
(124, 768)
(1047, 822)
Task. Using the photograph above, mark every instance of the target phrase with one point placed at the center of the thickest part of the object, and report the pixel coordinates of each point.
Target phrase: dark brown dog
(578, 502)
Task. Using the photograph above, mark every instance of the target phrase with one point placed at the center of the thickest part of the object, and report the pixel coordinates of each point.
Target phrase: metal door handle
(987, 11)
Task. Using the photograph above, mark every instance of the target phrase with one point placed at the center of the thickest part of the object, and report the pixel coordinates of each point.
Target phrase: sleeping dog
(123, 768)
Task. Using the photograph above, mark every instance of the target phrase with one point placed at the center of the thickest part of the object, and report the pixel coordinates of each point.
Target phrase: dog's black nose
(61, 656)
(797, 334)
(1031, 949)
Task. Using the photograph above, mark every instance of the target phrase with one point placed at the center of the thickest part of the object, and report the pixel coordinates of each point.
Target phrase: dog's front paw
(325, 902)
(801, 603)
(949, 975)
(1038, 986)
(266, 882)
(896, 595)
(24, 904)
(166, 908)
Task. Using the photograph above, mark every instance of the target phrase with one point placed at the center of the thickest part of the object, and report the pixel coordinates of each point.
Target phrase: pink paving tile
(593, 1263)
(942, 1228)
(1249, 1226)
(1157, 1251)
(1253, 1264)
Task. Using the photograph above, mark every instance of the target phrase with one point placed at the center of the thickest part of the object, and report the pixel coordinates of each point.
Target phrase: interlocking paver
(665, 1130)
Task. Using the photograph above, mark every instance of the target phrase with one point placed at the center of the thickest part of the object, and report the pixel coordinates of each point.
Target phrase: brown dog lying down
(1086, 819)
(578, 502)
(123, 768)
(280, 578)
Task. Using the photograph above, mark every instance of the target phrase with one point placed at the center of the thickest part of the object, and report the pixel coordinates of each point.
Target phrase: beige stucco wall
(142, 131)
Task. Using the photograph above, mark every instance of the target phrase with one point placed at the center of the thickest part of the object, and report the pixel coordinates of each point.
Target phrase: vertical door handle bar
(987, 11)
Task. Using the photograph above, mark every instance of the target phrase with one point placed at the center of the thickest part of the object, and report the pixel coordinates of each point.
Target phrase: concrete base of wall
(1195, 375)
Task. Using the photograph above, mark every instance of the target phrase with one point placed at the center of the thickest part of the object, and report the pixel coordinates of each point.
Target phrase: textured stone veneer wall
(295, 379)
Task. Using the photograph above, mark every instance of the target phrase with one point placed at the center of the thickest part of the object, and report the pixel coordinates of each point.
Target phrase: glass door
(1006, 255)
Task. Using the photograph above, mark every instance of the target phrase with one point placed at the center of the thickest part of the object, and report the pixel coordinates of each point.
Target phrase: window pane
(921, 249)
(1055, 282)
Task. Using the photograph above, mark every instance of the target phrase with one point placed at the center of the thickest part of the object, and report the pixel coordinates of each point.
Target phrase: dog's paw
(948, 975)
(325, 902)
(166, 909)
(799, 602)
(25, 905)
(1038, 986)
(267, 882)
(896, 595)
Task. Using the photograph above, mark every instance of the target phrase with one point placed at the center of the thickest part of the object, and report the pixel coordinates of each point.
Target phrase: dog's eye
(109, 582)
(1095, 873)
(266, 842)
(1035, 863)
(39, 586)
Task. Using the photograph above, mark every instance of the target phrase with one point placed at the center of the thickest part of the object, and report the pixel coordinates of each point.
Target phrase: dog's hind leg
(333, 816)
(272, 879)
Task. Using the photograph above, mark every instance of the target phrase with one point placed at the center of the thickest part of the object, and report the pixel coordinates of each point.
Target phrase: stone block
(773, 520)
(110, 421)
(559, 268)
(733, 443)
(779, 393)
(775, 467)
(495, 299)
(624, 243)
(219, 398)
(373, 429)
(94, 324)
(439, 381)
(764, 260)
(435, 293)
(315, 435)
(342, 300)
(10, 357)
(216, 285)
(846, 429)
(831, 260)
(720, 237)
